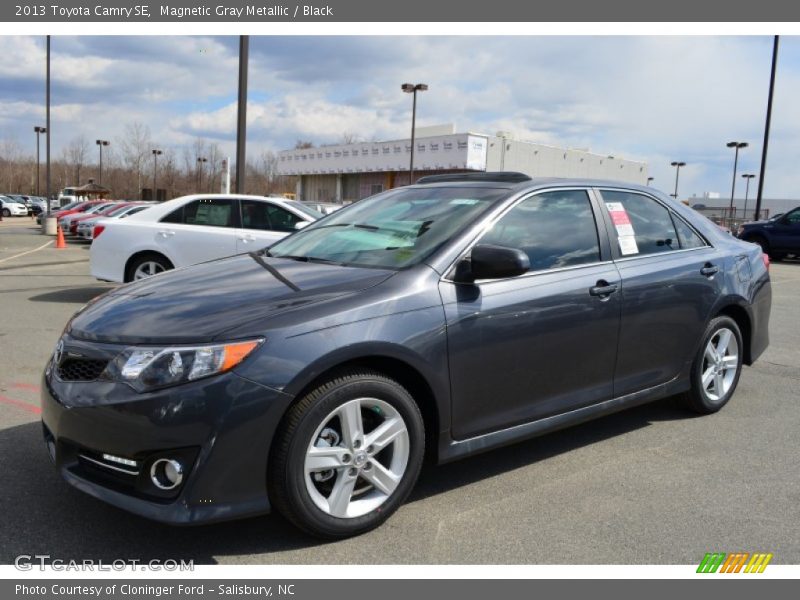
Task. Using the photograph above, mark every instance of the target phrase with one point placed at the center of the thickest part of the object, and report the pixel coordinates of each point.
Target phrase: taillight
(766, 260)
(98, 229)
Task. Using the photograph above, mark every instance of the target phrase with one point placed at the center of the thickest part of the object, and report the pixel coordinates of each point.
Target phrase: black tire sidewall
(143, 259)
(704, 403)
(310, 516)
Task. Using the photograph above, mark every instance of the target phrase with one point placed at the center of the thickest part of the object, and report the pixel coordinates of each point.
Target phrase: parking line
(2, 260)
(19, 404)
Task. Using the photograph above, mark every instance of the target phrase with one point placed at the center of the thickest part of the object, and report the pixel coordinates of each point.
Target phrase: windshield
(306, 210)
(394, 230)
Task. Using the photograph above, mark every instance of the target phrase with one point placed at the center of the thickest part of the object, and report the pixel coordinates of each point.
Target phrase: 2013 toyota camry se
(448, 317)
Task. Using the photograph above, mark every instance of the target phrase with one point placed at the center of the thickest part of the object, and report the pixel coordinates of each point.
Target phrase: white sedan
(190, 230)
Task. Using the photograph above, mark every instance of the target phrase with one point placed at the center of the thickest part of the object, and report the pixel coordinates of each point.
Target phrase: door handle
(603, 289)
(247, 238)
(709, 270)
(166, 233)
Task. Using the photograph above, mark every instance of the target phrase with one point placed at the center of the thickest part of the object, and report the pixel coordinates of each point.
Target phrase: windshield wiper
(316, 259)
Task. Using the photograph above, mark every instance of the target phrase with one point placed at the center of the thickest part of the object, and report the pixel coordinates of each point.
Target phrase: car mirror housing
(492, 262)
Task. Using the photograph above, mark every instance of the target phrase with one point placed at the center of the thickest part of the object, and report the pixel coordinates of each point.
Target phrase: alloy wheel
(147, 269)
(357, 458)
(720, 364)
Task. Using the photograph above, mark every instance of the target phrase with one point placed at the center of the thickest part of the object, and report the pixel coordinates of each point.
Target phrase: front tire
(6, 212)
(347, 456)
(716, 368)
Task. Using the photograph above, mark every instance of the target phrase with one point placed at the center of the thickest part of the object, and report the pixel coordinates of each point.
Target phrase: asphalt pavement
(653, 485)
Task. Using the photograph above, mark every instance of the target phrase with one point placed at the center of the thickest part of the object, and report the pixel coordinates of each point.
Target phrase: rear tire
(716, 368)
(146, 265)
(6, 212)
(369, 468)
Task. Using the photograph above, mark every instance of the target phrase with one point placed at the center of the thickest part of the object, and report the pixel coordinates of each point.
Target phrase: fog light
(166, 473)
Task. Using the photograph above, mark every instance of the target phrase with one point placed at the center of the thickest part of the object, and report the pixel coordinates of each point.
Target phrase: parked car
(65, 221)
(13, 208)
(778, 236)
(86, 227)
(190, 230)
(99, 211)
(452, 316)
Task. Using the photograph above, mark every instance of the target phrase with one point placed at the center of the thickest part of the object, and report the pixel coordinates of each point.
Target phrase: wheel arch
(739, 314)
(392, 364)
(140, 254)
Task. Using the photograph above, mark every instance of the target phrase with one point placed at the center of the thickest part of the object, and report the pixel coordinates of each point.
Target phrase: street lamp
(200, 161)
(155, 170)
(677, 165)
(650, 180)
(411, 88)
(101, 143)
(747, 177)
(737, 146)
(38, 130)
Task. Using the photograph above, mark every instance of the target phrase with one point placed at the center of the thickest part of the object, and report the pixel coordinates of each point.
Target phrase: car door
(785, 234)
(671, 279)
(264, 223)
(198, 231)
(542, 343)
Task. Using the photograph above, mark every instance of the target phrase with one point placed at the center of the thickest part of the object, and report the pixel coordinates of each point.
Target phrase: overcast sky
(656, 99)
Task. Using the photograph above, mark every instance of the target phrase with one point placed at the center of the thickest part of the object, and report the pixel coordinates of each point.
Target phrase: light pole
(241, 114)
(677, 164)
(765, 145)
(411, 88)
(747, 177)
(737, 146)
(155, 170)
(200, 161)
(101, 143)
(38, 131)
(47, 126)
(650, 180)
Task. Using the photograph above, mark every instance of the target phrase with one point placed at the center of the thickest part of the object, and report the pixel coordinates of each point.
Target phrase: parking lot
(652, 485)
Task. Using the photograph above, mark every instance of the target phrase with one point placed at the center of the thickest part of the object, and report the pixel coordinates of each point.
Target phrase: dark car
(778, 236)
(449, 317)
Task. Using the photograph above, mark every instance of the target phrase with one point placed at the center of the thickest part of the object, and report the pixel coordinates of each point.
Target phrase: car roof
(520, 182)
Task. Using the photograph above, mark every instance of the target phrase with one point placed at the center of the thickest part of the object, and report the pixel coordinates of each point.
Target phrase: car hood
(200, 303)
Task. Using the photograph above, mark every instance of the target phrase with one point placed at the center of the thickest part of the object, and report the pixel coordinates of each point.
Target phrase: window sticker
(627, 245)
(620, 218)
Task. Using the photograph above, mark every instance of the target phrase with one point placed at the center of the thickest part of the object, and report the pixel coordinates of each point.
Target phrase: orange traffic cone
(60, 239)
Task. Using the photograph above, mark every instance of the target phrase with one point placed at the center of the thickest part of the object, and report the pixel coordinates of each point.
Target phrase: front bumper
(221, 428)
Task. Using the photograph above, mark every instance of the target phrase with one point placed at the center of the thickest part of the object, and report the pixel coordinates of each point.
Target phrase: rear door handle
(247, 238)
(166, 233)
(709, 270)
(603, 289)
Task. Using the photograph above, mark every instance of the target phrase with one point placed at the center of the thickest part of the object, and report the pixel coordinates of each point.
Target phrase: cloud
(651, 98)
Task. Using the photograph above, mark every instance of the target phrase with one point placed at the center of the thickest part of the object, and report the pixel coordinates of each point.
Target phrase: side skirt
(450, 450)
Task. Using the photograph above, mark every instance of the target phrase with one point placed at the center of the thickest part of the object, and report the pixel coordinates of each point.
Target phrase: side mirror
(492, 262)
(301, 224)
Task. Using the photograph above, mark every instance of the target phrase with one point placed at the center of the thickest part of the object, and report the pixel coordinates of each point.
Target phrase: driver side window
(555, 229)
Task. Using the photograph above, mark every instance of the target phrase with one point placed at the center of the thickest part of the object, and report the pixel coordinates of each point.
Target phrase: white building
(349, 172)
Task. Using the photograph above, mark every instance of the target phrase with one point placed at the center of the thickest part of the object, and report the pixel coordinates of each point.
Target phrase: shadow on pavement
(43, 515)
(75, 295)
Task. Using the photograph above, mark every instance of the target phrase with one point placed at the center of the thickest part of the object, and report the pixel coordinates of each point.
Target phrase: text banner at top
(465, 11)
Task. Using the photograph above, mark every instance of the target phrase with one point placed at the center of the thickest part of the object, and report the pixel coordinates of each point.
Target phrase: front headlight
(151, 368)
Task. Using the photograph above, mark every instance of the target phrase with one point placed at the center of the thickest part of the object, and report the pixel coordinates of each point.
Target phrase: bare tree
(76, 154)
(135, 146)
(302, 145)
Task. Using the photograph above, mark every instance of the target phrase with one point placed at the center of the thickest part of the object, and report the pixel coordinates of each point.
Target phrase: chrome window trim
(501, 213)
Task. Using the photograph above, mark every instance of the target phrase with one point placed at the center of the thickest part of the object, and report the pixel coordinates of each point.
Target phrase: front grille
(81, 369)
